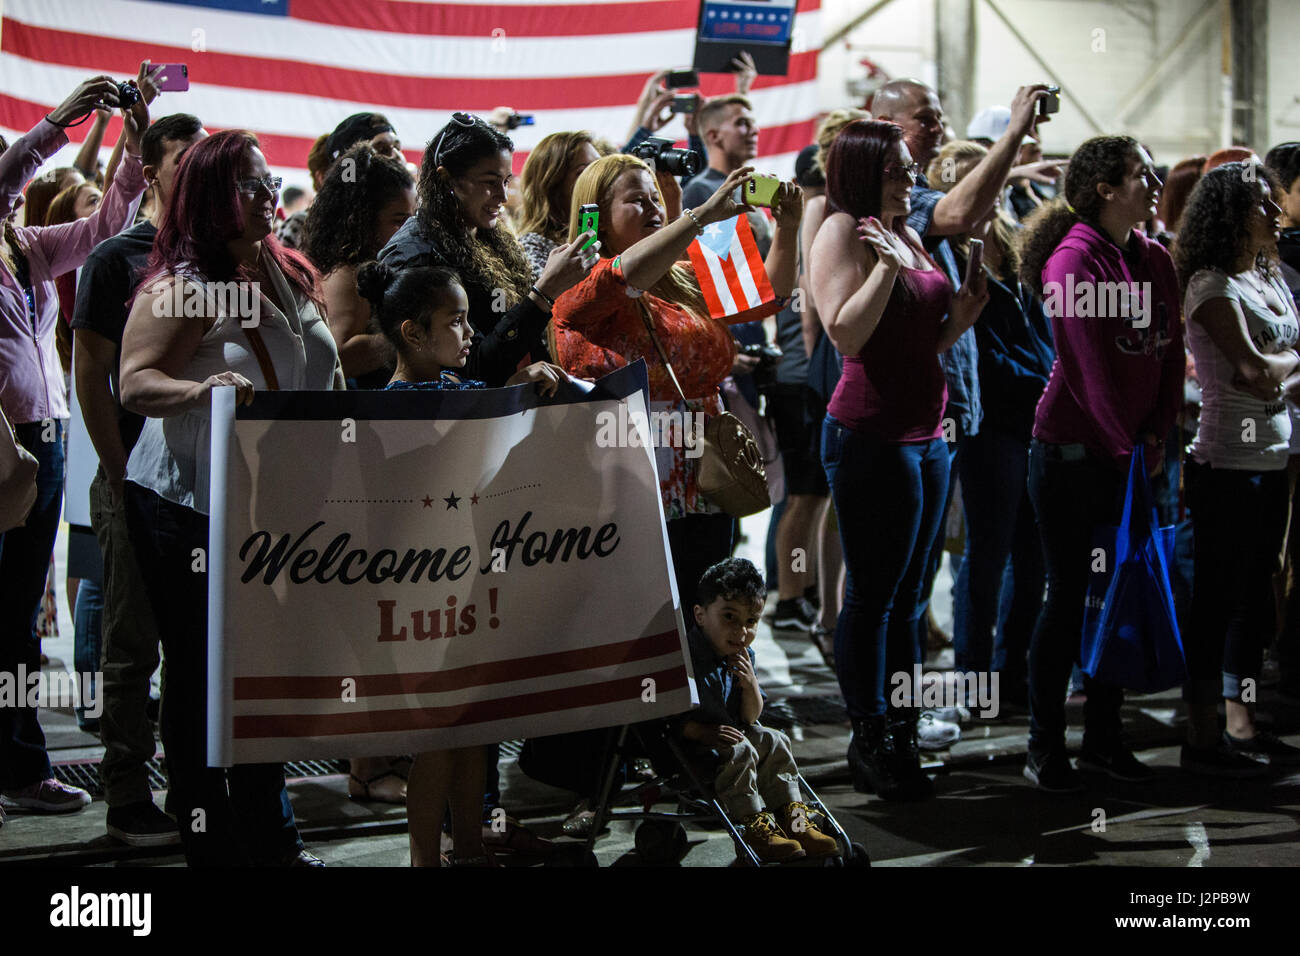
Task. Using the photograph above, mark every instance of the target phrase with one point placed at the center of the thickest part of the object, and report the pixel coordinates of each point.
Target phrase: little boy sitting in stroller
(757, 781)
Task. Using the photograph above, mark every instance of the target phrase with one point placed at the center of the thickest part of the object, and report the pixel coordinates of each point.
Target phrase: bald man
(916, 108)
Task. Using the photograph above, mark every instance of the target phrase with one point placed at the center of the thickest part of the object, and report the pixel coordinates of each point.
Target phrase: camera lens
(680, 162)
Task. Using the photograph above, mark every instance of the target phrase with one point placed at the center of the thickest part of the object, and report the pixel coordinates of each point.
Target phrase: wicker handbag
(731, 472)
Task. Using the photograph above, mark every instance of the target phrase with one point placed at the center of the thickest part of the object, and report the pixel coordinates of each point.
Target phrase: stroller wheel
(858, 856)
(660, 842)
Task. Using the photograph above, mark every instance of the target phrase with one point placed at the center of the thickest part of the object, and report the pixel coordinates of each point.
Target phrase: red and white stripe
(736, 288)
(573, 65)
(280, 710)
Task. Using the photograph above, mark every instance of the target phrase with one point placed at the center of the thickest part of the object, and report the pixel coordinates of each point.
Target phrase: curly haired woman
(363, 201)
(1242, 329)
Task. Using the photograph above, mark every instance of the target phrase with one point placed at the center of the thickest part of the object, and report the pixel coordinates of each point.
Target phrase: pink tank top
(894, 389)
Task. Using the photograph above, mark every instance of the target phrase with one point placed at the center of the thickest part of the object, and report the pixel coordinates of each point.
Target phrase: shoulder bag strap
(258, 345)
(649, 327)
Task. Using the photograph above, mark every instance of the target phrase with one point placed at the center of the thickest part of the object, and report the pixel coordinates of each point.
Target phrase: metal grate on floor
(86, 774)
(780, 713)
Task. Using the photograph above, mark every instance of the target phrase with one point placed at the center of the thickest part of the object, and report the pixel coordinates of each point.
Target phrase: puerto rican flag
(731, 274)
(290, 70)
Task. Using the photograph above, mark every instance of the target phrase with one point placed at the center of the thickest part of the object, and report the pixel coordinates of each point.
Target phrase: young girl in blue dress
(424, 312)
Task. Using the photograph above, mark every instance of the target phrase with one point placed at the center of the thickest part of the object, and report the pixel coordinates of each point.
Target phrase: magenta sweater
(1119, 359)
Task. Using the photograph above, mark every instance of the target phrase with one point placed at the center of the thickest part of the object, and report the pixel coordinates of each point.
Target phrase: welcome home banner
(396, 572)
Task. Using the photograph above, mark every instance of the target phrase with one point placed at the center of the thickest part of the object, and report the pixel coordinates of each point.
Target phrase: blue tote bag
(1130, 631)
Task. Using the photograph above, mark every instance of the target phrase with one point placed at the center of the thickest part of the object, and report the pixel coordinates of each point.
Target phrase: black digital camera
(768, 356)
(127, 95)
(661, 154)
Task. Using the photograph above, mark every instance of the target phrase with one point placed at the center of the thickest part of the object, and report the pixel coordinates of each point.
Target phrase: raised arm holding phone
(33, 397)
(642, 279)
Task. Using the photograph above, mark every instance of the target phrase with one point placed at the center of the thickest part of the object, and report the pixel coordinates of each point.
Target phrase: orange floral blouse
(598, 328)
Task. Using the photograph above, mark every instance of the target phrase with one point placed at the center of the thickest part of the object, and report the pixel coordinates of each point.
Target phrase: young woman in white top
(224, 305)
(1242, 329)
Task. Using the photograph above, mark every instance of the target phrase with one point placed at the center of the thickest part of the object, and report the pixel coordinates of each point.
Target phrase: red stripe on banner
(292, 687)
(756, 268)
(455, 19)
(705, 279)
(521, 20)
(65, 48)
(624, 689)
(279, 150)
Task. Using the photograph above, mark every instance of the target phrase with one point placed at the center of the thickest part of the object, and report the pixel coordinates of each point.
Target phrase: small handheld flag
(731, 274)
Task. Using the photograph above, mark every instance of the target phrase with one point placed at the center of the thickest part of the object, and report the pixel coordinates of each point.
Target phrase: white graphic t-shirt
(1238, 430)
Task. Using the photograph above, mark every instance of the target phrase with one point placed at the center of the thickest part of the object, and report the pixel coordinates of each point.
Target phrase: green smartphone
(588, 221)
(761, 190)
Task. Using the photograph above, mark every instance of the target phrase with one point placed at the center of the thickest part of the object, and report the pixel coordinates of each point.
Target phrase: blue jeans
(1239, 519)
(86, 644)
(245, 809)
(24, 563)
(994, 469)
(889, 499)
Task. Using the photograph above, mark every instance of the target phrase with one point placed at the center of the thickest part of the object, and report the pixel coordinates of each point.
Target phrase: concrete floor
(984, 813)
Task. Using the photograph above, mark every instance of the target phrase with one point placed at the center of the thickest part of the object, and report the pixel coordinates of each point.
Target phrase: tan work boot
(765, 838)
(796, 819)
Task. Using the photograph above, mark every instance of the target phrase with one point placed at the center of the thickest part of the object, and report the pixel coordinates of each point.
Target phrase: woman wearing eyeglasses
(888, 308)
(258, 328)
(459, 223)
(33, 397)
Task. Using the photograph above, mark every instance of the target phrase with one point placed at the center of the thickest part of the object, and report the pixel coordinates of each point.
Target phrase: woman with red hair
(216, 230)
(889, 310)
(1229, 154)
(1180, 182)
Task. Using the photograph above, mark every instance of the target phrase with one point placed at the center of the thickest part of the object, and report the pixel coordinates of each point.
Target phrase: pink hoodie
(1119, 359)
(31, 379)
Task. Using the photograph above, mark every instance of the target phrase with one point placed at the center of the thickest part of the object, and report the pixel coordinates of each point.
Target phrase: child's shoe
(767, 841)
(796, 819)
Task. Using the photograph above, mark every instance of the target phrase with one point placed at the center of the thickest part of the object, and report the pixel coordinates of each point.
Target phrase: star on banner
(452, 501)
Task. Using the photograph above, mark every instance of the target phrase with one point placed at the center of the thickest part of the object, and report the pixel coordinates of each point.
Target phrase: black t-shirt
(108, 278)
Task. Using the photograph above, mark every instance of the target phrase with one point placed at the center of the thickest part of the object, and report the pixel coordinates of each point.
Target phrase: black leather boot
(871, 758)
(913, 782)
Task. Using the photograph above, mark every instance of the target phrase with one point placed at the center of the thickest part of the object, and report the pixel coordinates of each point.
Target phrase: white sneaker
(952, 715)
(46, 796)
(935, 734)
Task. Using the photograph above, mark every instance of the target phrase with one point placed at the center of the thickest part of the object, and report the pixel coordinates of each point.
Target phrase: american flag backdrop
(290, 70)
